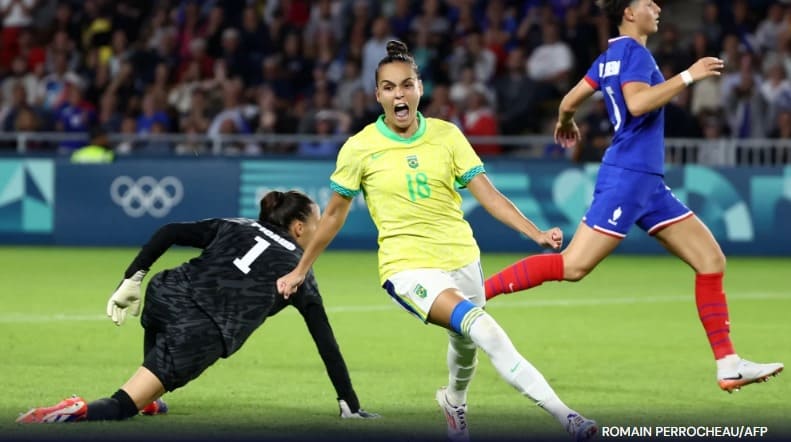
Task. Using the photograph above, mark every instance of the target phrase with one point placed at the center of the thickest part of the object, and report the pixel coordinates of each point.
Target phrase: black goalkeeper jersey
(234, 279)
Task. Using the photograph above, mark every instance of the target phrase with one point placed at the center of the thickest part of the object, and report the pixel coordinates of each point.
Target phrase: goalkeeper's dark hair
(613, 9)
(283, 208)
(397, 52)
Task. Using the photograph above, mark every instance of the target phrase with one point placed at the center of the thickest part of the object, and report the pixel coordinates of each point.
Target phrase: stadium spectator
(498, 27)
(327, 124)
(351, 82)
(364, 110)
(320, 101)
(197, 55)
(152, 112)
(428, 259)
(516, 95)
(373, 49)
(212, 30)
(15, 100)
(119, 45)
(595, 133)
(297, 68)
(782, 128)
(432, 18)
(153, 144)
(254, 36)
(206, 309)
(630, 188)
(466, 84)
(50, 91)
(776, 91)
(30, 50)
(474, 54)
(713, 127)
(16, 16)
(579, 31)
(711, 26)
(740, 23)
(669, 51)
(441, 106)
(128, 130)
(188, 27)
(19, 75)
(745, 107)
(95, 152)
(767, 35)
(64, 20)
(707, 93)
(465, 23)
(74, 115)
(231, 110)
(732, 51)
(401, 19)
(324, 21)
(294, 39)
(233, 56)
(191, 143)
(679, 122)
(552, 61)
(479, 119)
(109, 115)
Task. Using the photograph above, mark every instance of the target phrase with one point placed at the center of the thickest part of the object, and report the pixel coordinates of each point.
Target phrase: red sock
(527, 273)
(713, 313)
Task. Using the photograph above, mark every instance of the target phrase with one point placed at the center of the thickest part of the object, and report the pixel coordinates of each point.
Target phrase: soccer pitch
(623, 346)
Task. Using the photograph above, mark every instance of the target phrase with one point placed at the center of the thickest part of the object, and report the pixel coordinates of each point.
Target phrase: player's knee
(575, 265)
(575, 272)
(712, 263)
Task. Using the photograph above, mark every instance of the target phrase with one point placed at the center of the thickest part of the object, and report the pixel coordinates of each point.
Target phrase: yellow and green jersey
(409, 185)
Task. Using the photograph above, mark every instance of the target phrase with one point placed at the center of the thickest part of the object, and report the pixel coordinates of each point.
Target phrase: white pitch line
(21, 318)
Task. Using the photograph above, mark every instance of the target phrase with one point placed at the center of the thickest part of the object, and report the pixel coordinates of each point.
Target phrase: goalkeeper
(206, 308)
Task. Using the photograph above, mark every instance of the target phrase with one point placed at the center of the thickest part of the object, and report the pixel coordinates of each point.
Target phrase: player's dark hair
(397, 52)
(283, 208)
(614, 9)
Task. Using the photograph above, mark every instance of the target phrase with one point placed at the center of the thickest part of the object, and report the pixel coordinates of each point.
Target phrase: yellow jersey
(409, 185)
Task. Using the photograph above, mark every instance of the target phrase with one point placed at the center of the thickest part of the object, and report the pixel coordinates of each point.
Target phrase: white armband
(686, 77)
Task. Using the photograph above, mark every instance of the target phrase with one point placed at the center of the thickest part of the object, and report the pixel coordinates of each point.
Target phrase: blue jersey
(638, 142)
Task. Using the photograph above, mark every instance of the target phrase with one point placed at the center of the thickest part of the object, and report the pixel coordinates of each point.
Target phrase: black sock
(352, 401)
(118, 407)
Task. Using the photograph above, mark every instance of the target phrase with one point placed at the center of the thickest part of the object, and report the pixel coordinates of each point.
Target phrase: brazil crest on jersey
(409, 186)
(638, 142)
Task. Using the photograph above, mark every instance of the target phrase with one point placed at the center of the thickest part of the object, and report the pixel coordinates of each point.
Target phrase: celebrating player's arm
(642, 98)
(331, 222)
(507, 213)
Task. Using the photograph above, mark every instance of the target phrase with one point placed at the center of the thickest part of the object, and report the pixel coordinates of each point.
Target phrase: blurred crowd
(497, 67)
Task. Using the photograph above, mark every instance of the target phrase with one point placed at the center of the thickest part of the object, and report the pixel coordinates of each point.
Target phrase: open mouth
(401, 112)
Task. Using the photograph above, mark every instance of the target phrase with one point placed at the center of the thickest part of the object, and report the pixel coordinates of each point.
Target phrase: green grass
(623, 346)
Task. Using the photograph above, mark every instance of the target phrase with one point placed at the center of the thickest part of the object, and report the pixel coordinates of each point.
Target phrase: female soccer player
(408, 166)
(206, 308)
(630, 187)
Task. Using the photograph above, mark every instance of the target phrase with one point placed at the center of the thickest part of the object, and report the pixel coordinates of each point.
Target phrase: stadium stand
(256, 77)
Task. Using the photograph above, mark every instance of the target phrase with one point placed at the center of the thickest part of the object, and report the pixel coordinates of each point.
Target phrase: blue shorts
(624, 197)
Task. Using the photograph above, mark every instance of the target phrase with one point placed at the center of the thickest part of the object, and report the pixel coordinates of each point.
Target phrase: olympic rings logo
(146, 195)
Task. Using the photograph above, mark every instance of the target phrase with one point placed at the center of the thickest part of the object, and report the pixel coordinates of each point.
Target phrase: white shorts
(416, 290)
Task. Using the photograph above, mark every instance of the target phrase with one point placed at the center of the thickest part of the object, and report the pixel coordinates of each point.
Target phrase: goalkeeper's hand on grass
(126, 298)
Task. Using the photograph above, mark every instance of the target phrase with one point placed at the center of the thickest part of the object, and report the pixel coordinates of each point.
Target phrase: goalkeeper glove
(126, 296)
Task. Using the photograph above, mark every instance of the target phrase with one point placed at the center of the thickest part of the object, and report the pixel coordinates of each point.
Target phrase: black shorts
(181, 341)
